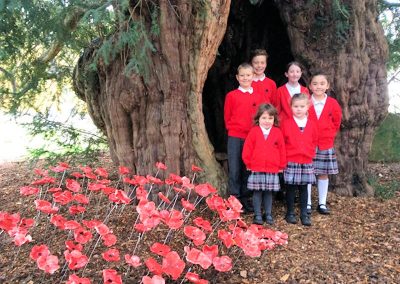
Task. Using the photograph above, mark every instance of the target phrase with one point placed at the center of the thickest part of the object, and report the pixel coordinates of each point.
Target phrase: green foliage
(386, 146)
(64, 142)
(384, 190)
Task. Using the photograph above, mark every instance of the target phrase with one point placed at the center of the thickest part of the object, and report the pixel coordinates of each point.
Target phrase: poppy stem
(62, 178)
(90, 256)
(214, 226)
(183, 279)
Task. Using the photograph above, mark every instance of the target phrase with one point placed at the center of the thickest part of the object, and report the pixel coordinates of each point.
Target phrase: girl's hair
(299, 97)
(244, 66)
(319, 73)
(257, 52)
(270, 109)
(296, 63)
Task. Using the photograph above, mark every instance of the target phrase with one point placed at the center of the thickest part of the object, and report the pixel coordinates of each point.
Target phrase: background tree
(154, 73)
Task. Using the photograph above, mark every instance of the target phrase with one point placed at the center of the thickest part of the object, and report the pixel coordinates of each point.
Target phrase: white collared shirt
(265, 131)
(249, 90)
(293, 90)
(259, 79)
(301, 122)
(319, 105)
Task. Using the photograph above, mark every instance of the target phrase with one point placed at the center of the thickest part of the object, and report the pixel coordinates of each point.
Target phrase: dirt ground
(358, 243)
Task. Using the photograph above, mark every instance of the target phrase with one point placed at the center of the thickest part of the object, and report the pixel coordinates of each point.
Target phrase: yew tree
(155, 79)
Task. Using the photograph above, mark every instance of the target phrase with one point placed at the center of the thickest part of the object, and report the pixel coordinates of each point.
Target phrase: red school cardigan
(328, 123)
(264, 155)
(268, 87)
(300, 146)
(283, 101)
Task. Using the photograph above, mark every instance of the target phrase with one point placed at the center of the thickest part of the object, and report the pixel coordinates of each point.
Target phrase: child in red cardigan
(264, 155)
(300, 135)
(266, 85)
(240, 107)
(285, 93)
(327, 114)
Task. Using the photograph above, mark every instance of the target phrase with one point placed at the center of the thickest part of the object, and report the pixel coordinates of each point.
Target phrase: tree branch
(11, 77)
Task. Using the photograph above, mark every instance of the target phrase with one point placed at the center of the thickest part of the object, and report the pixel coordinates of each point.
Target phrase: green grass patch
(386, 143)
(384, 190)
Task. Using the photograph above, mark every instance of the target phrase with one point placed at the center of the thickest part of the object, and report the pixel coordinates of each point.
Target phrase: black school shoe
(305, 220)
(258, 220)
(269, 219)
(323, 211)
(309, 209)
(291, 218)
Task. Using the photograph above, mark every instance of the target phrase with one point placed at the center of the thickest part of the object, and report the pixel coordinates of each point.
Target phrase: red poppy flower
(242, 224)
(85, 169)
(28, 190)
(216, 203)
(160, 249)
(141, 228)
(229, 215)
(119, 197)
(175, 178)
(173, 265)
(74, 279)
(153, 266)
(45, 206)
(110, 276)
(249, 243)
(146, 208)
(178, 190)
(210, 251)
(71, 245)
(101, 172)
(111, 255)
(196, 256)
(102, 229)
(187, 205)
(95, 186)
(141, 193)
(82, 236)
(77, 175)
(44, 180)
(196, 169)
(266, 244)
(226, 238)
(54, 189)
(204, 189)
(164, 198)
(108, 190)
(223, 263)
(26, 223)
(21, 238)
(63, 197)
(204, 224)
(81, 198)
(161, 166)
(151, 222)
(48, 263)
(123, 170)
(133, 260)
(76, 209)
(9, 221)
(72, 185)
(91, 223)
(58, 221)
(174, 220)
(156, 279)
(38, 251)
(194, 278)
(154, 180)
(61, 167)
(75, 259)
(195, 234)
(41, 172)
(234, 203)
(91, 176)
(109, 239)
(140, 180)
(187, 183)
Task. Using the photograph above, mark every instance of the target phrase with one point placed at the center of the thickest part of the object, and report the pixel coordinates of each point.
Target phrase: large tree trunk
(354, 57)
(158, 116)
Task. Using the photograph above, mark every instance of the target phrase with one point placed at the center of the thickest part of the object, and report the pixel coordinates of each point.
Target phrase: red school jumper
(239, 110)
(266, 86)
(300, 146)
(283, 101)
(264, 155)
(328, 123)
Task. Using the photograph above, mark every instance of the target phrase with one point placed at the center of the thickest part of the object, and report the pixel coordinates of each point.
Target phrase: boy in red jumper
(240, 107)
(264, 155)
(300, 135)
(327, 114)
(262, 83)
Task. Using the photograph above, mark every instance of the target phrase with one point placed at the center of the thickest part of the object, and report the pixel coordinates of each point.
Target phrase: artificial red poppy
(86, 169)
(21, 238)
(109, 239)
(91, 223)
(81, 198)
(161, 166)
(140, 180)
(95, 186)
(141, 228)
(101, 172)
(129, 181)
(28, 190)
(72, 185)
(175, 178)
(9, 221)
(154, 180)
(41, 172)
(123, 170)
(153, 266)
(110, 276)
(160, 249)
(54, 189)
(63, 197)
(194, 278)
(146, 208)
(223, 263)
(234, 203)
(229, 215)
(119, 197)
(196, 256)
(266, 244)
(104, 181)
(45, 206)
(133, 260)
(108, 190)
(71, 225)
(187, 205)
(77, 175)
(204, 224)
(210, 251)
(26, 223)
(71, 245)
(204, 189)
(195, 234)
(178, 190)
(38, 251)
(82, 236)
(61, 167)
(174, 220)
(58, 221)
(164, 198)
(141, 193)
(91, 176)
(173, 265)
(196, 169)
(216, 203)
(102, 229)
(151, 222)
(226, 238)
(75, 259)
(242, 224)
(156, 279)
(48, 263)
(187, 183)
(74, 279)
(111, 255)
(44, 180)
(249, 243)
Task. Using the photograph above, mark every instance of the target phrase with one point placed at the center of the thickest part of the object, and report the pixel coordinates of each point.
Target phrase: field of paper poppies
(100, 224)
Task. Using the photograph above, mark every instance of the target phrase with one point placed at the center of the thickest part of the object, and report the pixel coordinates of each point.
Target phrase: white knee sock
(309, 195)
(322, 191)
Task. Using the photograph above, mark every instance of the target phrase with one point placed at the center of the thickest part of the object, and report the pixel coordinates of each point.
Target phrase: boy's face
(259, 64)
(245, 77)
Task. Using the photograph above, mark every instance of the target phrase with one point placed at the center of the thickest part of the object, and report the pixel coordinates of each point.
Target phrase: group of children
(280, 130)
